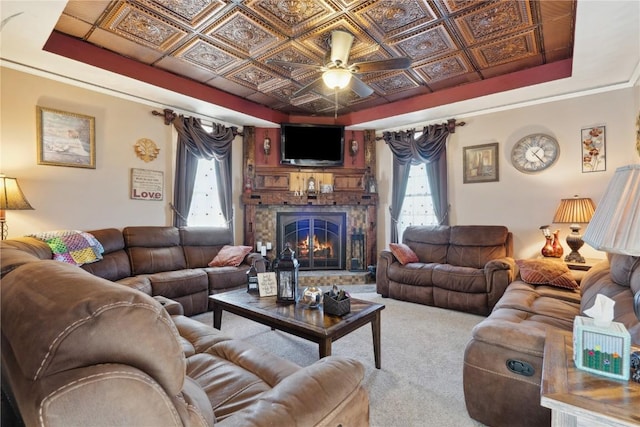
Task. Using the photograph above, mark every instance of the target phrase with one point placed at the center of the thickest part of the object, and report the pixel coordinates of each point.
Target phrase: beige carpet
(420, 383)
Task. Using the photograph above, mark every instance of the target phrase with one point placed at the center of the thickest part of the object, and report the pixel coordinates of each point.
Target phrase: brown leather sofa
(503, 360)
(159, 260)
(79, 350)
(462, 267)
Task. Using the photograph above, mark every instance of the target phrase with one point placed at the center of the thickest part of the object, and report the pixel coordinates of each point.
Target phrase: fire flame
(320, 249)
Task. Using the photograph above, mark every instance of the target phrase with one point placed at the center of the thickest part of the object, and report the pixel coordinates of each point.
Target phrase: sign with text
(147, 184)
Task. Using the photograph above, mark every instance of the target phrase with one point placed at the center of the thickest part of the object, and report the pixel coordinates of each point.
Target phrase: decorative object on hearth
(336, 302)
(252, 279)
(11, 199)
(615, 225)
(353, 148)
(311, 185)
(286, 269)
(602, 346)
(593, 149)
(535, 153)
(146, 150)
(266, 144)
(574, 211)
(311, 297)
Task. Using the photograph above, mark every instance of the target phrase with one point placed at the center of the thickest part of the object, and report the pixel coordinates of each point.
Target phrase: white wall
(77, 198)
(524, 202)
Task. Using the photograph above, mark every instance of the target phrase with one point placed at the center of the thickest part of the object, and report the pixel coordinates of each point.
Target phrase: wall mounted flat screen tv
(311, 145)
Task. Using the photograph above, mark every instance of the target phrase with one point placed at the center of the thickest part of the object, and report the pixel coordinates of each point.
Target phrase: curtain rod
(451, 125)
(168, 114)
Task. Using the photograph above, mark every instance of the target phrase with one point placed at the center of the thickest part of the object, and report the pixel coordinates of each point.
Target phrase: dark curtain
(430, 149)
(194, 143)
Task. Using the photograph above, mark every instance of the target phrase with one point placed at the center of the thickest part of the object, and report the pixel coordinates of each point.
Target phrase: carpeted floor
(420, 383)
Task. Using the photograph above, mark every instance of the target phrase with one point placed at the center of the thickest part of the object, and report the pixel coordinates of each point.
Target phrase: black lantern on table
(252, 279)
(286, 268)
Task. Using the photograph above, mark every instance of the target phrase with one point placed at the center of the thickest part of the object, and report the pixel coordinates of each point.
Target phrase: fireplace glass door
(318, 239)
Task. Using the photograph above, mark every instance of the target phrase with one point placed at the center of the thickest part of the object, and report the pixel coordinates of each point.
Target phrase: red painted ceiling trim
(78, 50)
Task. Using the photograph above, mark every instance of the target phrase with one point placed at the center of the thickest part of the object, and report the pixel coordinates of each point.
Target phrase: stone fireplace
(319, 239)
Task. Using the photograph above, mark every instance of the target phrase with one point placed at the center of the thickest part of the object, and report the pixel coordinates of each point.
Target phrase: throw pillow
(546, 272)
(403, 252)
(230, 256)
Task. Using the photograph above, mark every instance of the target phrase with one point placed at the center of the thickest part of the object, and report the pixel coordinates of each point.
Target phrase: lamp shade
(11, 196)
(336, 78)
(574, 211)
(615, 226)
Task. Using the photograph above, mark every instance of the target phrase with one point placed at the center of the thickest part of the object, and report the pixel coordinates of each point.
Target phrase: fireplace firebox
(318, 238)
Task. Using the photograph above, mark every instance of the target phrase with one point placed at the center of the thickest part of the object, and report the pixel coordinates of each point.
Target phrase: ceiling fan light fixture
(337, 78)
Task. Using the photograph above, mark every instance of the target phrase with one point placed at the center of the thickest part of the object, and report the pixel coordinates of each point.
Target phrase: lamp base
(575, 242)
(575, 256)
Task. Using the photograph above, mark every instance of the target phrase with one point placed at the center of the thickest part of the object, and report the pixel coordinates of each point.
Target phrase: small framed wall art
(147, 184)
(65, 139)
(480, 163)
(593, 149)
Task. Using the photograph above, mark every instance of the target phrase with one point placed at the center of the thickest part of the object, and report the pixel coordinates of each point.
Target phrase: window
(205, 206)
(417, 208)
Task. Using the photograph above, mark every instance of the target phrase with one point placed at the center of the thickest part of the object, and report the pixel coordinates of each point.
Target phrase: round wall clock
(535, 153)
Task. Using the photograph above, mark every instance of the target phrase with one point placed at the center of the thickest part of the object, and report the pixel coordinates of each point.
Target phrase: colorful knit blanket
(72, 246)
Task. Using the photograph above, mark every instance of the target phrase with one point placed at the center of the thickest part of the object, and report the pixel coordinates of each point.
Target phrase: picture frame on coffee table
(480, 163)
(65, 139)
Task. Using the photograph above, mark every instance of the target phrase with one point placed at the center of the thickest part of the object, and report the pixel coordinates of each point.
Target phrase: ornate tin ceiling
(226, 44)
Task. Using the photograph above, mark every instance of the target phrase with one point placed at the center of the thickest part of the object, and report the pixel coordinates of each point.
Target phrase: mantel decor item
(574, 211)
(65, 139)
(480, 163)
(11, 199)
(286, 269)
(266, 143)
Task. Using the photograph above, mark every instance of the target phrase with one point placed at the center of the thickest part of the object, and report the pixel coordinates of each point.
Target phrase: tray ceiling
(226, 44)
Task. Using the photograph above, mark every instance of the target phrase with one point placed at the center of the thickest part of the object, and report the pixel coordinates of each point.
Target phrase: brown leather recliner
(79, 350)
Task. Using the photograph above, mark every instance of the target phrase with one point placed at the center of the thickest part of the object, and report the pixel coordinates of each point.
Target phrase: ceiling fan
(338, 74)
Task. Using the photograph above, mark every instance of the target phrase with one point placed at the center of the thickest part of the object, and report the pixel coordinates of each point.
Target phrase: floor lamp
(11, 199)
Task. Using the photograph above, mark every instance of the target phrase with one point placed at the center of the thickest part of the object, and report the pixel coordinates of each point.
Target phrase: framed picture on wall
(593, 149)
(65, 139)
(480, 163)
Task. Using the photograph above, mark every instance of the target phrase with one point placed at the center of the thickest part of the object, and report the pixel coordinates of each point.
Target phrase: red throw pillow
(404, 253)
(546, 272)
(230, 256)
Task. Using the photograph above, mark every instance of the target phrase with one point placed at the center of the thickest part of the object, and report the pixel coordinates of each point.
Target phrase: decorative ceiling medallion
(389, 16)
(255, 77)
(433, 42)
(444, 68)
(390, 84)
(143, 27)
(511, 49)
(191, 13)
(245, 33)
(207, 55)
(291, 52)
(291, 16)
(494, 20)
(146, 150)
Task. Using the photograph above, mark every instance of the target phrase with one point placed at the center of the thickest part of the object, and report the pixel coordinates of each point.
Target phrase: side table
(578, 398)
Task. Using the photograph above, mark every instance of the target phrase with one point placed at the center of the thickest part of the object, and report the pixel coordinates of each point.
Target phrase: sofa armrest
(330, 388)
(499, 273)
(385, 259)
(174, 308)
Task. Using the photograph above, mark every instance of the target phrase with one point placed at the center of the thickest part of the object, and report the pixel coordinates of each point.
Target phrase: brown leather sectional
(159, 260)
(462, 267)
(78, 349)
(503, 360)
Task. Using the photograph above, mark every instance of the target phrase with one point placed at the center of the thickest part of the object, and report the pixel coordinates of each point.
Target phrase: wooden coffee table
(310, 324)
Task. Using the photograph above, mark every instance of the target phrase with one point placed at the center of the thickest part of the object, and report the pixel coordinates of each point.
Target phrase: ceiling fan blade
(359, 87)
(315, 85)
(340, 46)
(288, 64)
(401, 63)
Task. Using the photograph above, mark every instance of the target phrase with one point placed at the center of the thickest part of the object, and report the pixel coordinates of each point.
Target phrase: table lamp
(11, 199)
(574, 211)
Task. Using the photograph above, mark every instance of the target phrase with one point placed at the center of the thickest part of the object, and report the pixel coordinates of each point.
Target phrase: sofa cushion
(154, 249)
(625, 270)
(415, 274)
(430, 242)
(202, 244)
(459, 279)
(475, 245)
(230, 256)
(403, 253)
(546, 272)
(114, 264)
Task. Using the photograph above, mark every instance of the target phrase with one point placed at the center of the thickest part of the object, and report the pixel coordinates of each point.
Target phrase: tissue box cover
(601, 350)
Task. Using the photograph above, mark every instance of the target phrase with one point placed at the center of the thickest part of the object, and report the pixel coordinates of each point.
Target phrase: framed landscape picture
(65, 139)
(480, 163)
